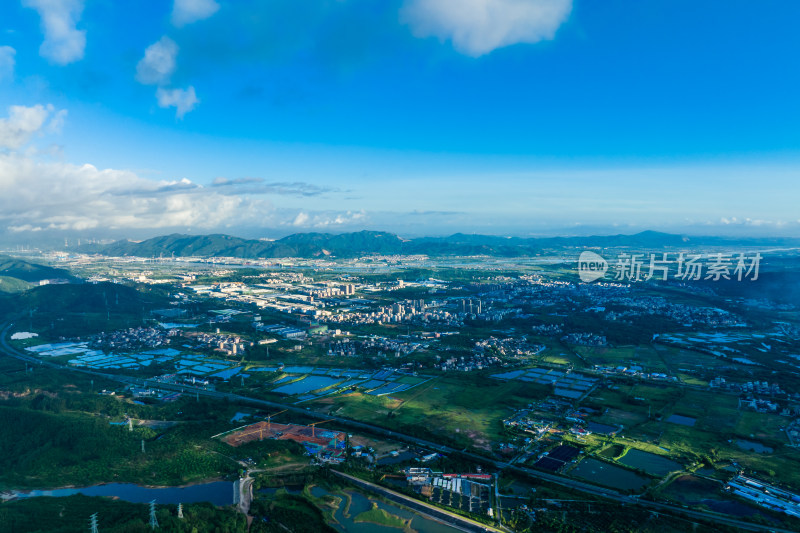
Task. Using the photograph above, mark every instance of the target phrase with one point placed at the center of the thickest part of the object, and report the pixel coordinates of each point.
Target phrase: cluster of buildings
(281, 330)
(549, 417)
(753, 395)
(508, 347)
(687, 315)
(327, 289)
(289, 293)
(765, 495)
(373, 345)
(468, 363)
(408, 311)
(550, 330)
(760, 405)
(585, 339)
(342, 348)
(132, 339)
(527, 421)
(636, 371)
(793, 433)
(229, 344)
(379, 345)
(467, 491)
(753, 387)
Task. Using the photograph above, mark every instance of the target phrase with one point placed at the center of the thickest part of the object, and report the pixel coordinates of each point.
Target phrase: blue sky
(525, 117)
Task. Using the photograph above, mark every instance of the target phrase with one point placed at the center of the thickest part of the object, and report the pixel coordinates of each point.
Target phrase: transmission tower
(180, 510)
(93, 523)
(153, 519)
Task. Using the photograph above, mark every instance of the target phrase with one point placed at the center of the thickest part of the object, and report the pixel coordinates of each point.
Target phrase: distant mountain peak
(367, 242)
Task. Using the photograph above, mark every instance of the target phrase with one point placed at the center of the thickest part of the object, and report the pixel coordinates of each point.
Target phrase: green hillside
(13, 285)
(27, 271)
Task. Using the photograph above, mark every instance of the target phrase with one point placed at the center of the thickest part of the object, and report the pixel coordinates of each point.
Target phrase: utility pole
(93, 523)
(180, 511)
(153, 519)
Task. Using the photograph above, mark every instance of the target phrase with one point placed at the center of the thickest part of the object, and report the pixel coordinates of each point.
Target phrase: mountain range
(348, 245)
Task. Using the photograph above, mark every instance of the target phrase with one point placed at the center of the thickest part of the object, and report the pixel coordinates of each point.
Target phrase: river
(216, 492)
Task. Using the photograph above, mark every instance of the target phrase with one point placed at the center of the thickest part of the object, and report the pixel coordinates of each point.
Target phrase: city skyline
(419, 117)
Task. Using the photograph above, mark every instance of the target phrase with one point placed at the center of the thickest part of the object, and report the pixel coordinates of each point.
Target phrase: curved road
(377, 430)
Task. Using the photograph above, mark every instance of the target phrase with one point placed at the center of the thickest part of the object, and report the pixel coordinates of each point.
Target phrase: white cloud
(156, 68)
(325, 219)
(57, 122)
(7, 62)
(24, 122)
(184, 100)
(63, 196)
(63, 42)
(158, 62)
(476, 27)
(188, 11)
(253, 185)
(300, 220)
(38, 194)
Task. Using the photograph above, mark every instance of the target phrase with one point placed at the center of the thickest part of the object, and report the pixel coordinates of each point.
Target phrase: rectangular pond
(682, 420)
(609, 475)
(651, 463)
(306, 385)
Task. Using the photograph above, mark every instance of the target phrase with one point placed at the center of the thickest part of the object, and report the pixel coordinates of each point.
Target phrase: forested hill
(26, 271)
(17, 275)
(310, 245)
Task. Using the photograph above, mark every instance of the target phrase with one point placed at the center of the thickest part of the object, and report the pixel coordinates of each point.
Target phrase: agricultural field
(464, 411)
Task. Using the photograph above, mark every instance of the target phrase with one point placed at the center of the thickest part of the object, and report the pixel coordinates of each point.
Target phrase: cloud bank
(40, 195)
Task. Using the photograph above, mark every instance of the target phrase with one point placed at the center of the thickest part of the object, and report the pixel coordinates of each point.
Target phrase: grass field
(643, 355)
(381, 517)
(466, 410)
(644, 408)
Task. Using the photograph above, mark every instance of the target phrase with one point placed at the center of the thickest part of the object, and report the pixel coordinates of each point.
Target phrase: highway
(387, 433)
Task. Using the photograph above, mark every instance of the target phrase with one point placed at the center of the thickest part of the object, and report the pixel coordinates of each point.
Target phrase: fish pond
(609, 475)
(311, 383)
(651, 463)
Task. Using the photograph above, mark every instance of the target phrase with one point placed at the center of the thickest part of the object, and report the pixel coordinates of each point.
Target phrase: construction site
(324, 444)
